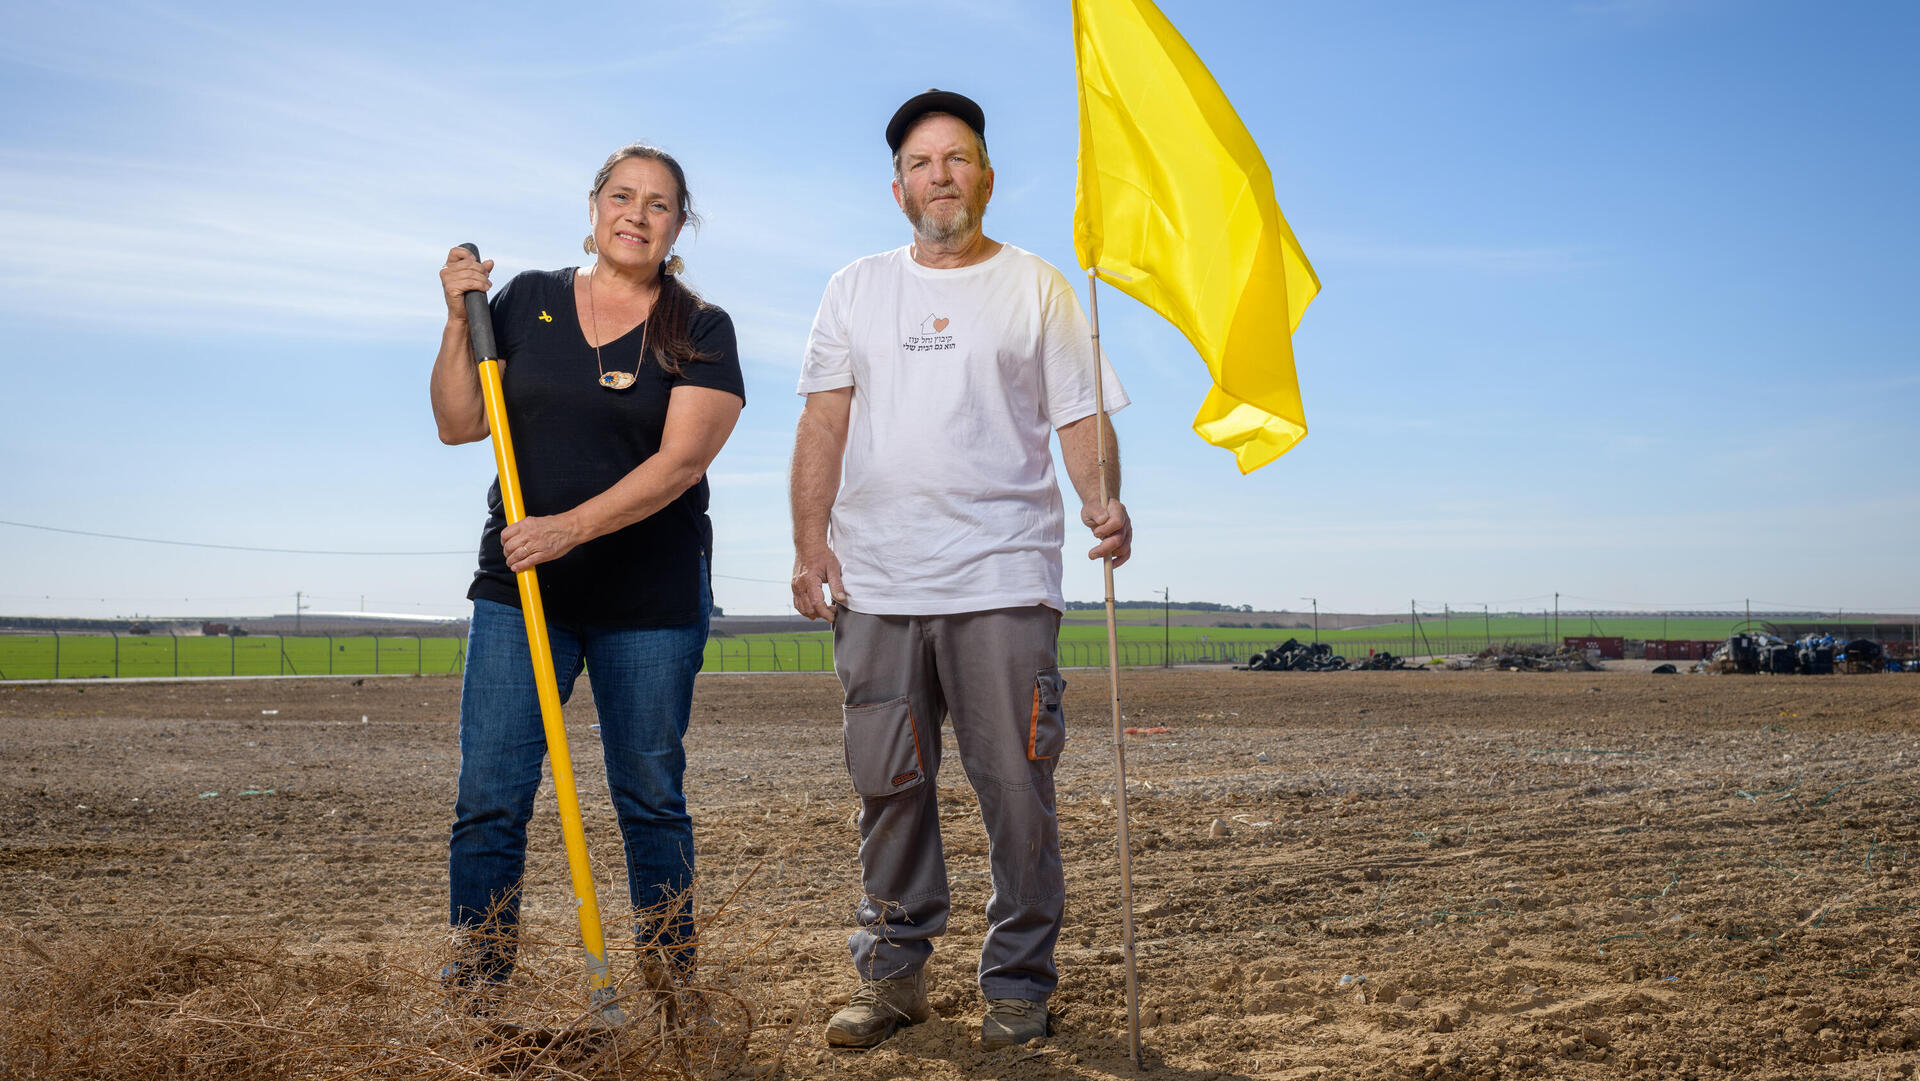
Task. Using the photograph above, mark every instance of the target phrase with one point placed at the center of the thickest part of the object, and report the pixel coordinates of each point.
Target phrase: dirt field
(1431, 875)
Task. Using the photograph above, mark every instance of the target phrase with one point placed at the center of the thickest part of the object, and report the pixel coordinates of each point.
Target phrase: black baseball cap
(933, 101)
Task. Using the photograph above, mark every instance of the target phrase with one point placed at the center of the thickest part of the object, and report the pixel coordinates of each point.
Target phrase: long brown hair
(670, 325)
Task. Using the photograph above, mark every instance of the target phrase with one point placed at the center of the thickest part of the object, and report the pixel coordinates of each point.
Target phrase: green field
(85, 656)
(1083, 643)
(1137, 623)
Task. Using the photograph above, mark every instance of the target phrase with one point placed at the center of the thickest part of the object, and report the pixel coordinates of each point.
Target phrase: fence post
(376, 654)
(56, 654)
(419, 655)
(329, 654)
(176, 652)
(116, 653)
(283, 653)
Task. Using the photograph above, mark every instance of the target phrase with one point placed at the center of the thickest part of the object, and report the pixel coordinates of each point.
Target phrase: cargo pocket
(1047, 727)
(883, 748)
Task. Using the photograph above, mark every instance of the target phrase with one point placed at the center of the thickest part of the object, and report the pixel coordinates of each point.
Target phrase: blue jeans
(643, 690)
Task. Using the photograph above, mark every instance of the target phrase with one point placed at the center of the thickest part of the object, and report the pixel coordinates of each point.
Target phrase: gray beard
(959, 224)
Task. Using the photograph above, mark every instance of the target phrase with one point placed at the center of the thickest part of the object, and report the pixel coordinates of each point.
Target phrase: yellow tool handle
(585, 898)
(585, 901)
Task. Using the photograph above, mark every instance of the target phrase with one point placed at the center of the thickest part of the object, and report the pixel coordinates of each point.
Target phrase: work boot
(877, 1008)
(1011, 1021)
(467, 994)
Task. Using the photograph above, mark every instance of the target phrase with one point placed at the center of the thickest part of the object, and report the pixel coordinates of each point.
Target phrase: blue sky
(1611, 289)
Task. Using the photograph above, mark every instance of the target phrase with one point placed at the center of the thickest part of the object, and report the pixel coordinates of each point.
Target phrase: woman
(621, 387)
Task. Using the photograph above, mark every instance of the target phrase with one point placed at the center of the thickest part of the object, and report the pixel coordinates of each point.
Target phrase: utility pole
(1486, 623)
(1556, 618)
(297, 606)
(1316, 618)
(1413, 626)
(1446, 628)
(1166, 627)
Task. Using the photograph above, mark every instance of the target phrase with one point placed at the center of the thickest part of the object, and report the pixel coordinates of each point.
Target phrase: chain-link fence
(166, 656)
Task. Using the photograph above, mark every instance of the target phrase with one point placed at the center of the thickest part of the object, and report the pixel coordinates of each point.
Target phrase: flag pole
(1113, 683)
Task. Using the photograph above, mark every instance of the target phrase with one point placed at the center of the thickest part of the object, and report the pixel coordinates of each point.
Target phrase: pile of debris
(1533, 657)
(1812, 655)
(1864, 656)
(1294, 655)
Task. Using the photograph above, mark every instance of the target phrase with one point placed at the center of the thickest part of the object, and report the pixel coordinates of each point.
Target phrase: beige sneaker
(877, 1008)
(1011, 1021)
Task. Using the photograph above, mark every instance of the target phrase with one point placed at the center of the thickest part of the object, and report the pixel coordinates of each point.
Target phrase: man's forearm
(818, 446)
(1080, 449)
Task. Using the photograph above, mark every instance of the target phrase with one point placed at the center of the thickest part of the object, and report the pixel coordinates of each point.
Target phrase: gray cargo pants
(995, 674)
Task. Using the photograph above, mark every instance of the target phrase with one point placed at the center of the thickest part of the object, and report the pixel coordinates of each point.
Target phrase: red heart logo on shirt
(939, 324)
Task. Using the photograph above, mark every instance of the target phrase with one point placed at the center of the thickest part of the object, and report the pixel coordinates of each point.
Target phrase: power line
(290, 551)
(227, 547)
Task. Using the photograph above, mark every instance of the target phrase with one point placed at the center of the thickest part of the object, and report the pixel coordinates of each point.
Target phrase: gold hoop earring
(589, 246)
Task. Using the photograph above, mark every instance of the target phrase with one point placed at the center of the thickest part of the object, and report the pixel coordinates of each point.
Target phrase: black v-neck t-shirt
(574, 439)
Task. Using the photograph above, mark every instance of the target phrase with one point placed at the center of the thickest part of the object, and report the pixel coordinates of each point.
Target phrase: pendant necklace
(614, 380)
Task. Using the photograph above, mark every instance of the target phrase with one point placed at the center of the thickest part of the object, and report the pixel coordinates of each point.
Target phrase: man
(936, 372)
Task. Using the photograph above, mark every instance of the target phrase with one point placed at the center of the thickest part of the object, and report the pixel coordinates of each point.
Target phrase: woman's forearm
(459, 410)
(698, 423)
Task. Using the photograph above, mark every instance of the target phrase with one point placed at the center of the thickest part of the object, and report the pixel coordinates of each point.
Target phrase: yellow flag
(1174, 194)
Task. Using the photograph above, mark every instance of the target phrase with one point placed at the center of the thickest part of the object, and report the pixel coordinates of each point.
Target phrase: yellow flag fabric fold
(1174, 194)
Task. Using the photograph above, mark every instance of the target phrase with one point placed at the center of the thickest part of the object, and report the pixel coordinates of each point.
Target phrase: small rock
(1596, 1037)
(1372, 874)
(1218, 829)
(1407, 1002)
(1443, 1023)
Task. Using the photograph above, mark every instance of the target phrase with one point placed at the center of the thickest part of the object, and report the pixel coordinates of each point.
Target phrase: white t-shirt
(947, 498)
